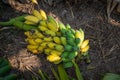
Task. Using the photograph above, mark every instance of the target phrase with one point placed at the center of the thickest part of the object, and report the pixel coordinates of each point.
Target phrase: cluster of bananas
(59, 42)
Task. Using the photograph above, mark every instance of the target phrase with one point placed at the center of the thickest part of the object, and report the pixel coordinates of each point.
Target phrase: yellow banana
(80, 35)
(29, 22)
(47, 39)
(44, 44)
(52, 26)
(34, 1)
(58, 33)
(38, 40)
(53, 58)
(27, 33)
(40, 49)
(43, 23)
(56, 52)
(57, 62)
(63, 40)
(43, 14)
(32, 19)
(34, 51)
(84, 43)
(51, 45)
(85, 49)
(50, 33)
(57, 40)
(42, 28)
(31, 41)
(39, 34)
(59, 48)
(37, 14)
(32, 47)
(47, 51)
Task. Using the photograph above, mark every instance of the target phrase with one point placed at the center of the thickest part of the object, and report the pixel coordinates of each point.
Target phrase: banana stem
(11, 21)
(8, 23)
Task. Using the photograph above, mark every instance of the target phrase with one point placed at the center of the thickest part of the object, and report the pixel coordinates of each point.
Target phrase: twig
(72, 14)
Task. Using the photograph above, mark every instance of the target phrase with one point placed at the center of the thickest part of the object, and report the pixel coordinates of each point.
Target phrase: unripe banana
(63, 40)
(32, 19)
(58, 33)
(50, 33)
(51, 45)
(29, 22)
(37, 14)
(43, 14)
(57, 40)
(47, 51)
(59, 48)
(84, 44)
(53, 58)
(85, 49)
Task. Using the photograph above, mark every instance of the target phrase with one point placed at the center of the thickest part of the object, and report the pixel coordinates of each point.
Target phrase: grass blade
(62, 73)
(41, 74)
(77, 71)
(55, 74)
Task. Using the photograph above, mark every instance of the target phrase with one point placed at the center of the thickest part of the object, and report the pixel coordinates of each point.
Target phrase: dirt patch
(91, 17)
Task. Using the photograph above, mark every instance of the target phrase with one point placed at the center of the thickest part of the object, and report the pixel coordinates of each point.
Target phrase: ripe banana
(57, 40)
(34, 1)
(32, 19)
(39, 34)
(80, 35)
(38, 40)
(85, 49)
(34, 51)
(43, 23)
(37, 14)
(84, 43)
(31, 41)
(53, 58)
(40, 49)
(55, 52)
(47, 39)
(32, 47)
(52, 26)
(43, 14)
(43, 28)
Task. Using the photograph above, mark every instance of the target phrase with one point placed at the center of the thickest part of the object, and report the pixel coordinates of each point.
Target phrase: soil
(90, 16)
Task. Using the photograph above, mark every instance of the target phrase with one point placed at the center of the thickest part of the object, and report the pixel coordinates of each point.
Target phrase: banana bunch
(59, 42)
(35, 18)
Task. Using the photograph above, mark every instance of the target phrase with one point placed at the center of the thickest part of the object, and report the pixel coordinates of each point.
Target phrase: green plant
(4, 70)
